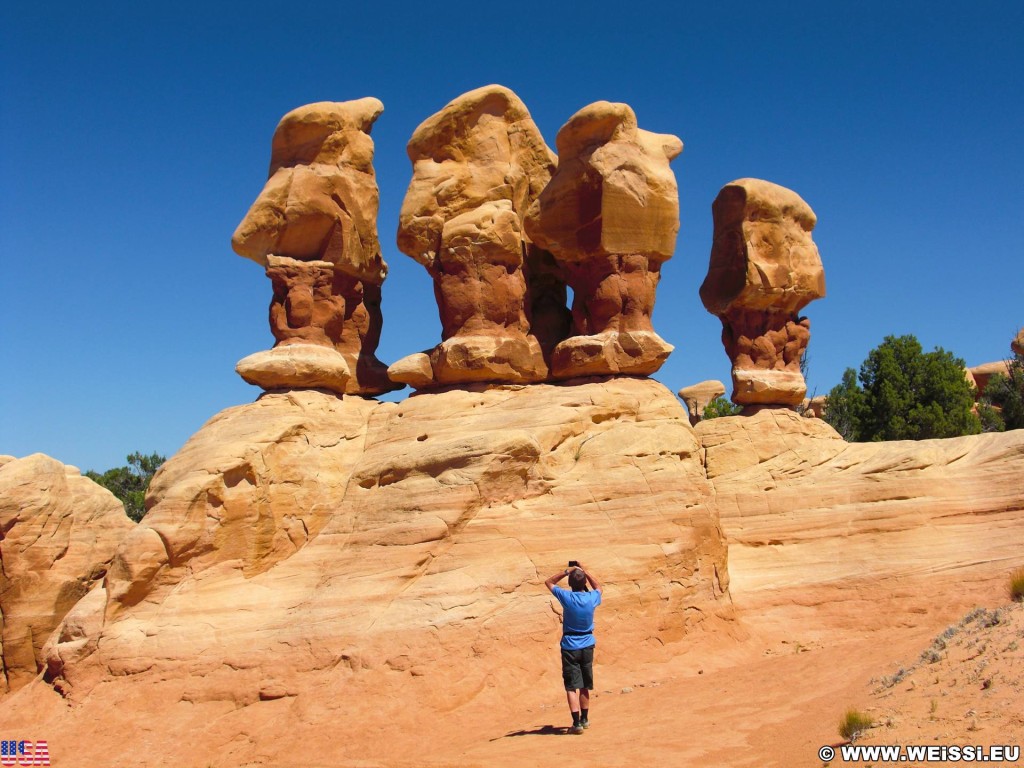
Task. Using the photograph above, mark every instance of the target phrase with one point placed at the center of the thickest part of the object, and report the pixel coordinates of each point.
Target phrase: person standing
(577, 645)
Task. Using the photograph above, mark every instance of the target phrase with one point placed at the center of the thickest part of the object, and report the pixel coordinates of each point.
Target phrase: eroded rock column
(314, 229)
(764, 269)
(477, 166)
(609, 217)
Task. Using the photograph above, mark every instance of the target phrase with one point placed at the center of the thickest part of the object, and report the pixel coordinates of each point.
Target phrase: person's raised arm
(591, 579)
(550, 583)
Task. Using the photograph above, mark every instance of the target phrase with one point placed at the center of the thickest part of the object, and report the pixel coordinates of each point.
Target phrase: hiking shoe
(585, 723)
(577, 729)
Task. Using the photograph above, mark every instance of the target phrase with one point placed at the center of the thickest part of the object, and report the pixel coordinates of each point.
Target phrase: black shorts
(578, 668)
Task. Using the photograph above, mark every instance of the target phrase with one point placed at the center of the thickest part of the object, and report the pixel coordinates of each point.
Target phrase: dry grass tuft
(854, 722)
(1017, 585)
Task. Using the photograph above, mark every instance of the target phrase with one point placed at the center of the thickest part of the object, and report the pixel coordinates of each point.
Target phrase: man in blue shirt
(577, 638)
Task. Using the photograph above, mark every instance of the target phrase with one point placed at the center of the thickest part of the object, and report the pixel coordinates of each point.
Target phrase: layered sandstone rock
(477, 166)
(804, 509)
(307, 540)
(1017, 345)
(314, 229)
(59, 533)
(764, 269)
(609, 216)
(697, 396)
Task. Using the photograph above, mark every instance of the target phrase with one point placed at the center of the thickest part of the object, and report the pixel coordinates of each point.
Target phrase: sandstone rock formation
(307, 540)
(59, 532)
(314, 229)
(801, 506)
(764, 269)
(477, 166)
(609, 216)
(697, 396)
(814, 407)
(1017, 345)
(418, 604)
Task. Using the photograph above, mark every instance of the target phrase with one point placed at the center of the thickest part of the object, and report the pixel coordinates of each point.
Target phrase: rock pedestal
(697, 396)
(314, 229)
(764, 269)
(477, 166)
(609, 217)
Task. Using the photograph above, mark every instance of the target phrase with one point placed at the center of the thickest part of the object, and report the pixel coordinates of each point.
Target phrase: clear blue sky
(134, 136)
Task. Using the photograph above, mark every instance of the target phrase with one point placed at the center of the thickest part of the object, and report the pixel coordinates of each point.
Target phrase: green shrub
(854, 722)
(721, 407)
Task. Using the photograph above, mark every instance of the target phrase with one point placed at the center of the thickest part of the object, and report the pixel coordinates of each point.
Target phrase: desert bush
(888, 681)
(1017, 585)
(719, 406)
(854, 722)
(992, 618)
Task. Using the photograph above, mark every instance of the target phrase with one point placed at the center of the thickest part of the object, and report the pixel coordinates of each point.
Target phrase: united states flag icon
(24, 753)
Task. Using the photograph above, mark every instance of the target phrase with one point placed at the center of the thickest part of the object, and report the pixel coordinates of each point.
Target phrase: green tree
(904, 393)
(1007, 393)
(719, 406)
(130, 483)
(845, 406)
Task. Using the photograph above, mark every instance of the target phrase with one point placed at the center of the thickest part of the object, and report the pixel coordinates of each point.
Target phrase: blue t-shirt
(577, 617)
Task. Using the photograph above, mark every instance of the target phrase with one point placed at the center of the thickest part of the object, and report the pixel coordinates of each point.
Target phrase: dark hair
(578, 580)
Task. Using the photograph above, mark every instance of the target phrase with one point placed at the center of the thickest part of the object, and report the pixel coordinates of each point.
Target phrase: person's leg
(573, 697)
(587, 673)
(572, 676)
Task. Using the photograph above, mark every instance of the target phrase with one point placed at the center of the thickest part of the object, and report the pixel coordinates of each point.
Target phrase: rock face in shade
(60, 531)
(609, 216)
(314, 229)
(478, 164)
(764, 269)
(697, 396)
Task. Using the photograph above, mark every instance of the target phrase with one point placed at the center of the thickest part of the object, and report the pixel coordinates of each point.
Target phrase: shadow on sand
(543, 730)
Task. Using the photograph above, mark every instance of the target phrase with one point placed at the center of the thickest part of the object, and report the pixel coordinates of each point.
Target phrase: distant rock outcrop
(764, 269)
(980, 375)
(697, 396)
(58, 533)
(314, 229)
(609, 216)
(478, 164)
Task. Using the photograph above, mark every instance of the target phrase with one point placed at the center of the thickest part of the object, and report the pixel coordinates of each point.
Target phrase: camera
(574, 564)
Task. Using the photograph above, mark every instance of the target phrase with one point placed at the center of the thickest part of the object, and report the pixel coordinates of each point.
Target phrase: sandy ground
(768, 689)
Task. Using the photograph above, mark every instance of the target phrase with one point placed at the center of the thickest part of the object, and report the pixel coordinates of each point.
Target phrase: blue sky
(134, 136)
